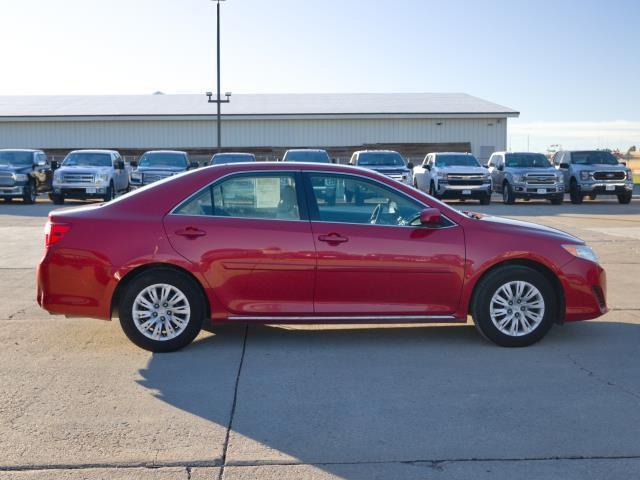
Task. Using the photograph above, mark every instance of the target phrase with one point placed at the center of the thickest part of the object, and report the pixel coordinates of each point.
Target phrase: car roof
(165, 151)
(94, 151)
(376, 151)
(19, 150)
(451, 153)
(233, 153)
(306, 150)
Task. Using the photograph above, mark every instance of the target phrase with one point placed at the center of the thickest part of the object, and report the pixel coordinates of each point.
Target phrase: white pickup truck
(86, 174)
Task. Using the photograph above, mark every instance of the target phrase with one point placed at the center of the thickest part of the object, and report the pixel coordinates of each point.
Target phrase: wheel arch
(126, 280)
(534, 265)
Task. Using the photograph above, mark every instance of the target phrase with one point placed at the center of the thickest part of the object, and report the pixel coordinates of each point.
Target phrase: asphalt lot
(78, 400)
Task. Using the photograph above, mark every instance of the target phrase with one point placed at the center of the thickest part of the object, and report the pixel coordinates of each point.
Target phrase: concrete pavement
(355, 402)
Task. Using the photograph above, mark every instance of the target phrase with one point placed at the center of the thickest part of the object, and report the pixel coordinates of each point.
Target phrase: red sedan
(283, 243)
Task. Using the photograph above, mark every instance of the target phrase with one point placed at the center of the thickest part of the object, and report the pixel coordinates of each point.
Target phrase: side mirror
(428, 166)
(194, 164)
(334, 160)
(54, 165)
(501, 167)
(430, 217)
(485, 165)
(40, 163)
(133, 163)
(622, 162)
(564, 166)
(410, 165)
(119, 164)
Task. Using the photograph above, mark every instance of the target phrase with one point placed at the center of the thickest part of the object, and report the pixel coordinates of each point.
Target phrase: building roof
(457, 104)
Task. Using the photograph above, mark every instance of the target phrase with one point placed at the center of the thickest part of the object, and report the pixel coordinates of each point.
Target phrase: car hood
(386, 169)
(15, 169)
(600, 166)
(461, 169)
(160, 168)
(502, 223)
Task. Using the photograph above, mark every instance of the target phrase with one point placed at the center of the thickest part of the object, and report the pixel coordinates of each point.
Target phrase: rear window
(456, 161)
(527, 160)
(314, 156)
(593, 158)
(374, 159)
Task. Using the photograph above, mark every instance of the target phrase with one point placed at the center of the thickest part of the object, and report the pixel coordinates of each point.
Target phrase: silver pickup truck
(86, 174)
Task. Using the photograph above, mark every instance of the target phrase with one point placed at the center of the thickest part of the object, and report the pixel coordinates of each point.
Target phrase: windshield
(220, 158)
(85, 159)
(528, 160)
(315, 156)
(16, 158)
(456, 161)
(593, 158)
(163, 159)
(390, 159)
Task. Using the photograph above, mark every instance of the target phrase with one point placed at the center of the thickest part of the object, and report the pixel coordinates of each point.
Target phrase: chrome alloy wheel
(517, 308)
(161, 312)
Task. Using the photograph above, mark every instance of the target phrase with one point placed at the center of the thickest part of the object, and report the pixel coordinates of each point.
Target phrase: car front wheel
(514, 306)
(162, 310)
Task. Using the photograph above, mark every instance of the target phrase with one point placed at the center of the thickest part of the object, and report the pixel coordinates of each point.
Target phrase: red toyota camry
(308, 243)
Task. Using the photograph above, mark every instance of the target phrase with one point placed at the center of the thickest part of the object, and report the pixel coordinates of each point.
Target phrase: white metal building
(413, 123)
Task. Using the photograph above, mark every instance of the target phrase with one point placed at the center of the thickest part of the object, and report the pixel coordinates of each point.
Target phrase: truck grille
(153, 177)
(465, 179)
(6, 179)
(619, 175)
(395, 176)
(540, 179)
(77, 178)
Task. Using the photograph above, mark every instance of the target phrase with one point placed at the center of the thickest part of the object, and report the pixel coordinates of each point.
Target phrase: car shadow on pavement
(340, 397)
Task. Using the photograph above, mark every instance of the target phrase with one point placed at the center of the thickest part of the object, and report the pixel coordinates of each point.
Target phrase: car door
(249, 235)
(372, 262)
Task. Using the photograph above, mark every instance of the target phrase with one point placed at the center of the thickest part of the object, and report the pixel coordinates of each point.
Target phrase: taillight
(54, 232)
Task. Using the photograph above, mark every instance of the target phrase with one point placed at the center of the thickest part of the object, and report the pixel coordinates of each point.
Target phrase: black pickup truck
(23, 174)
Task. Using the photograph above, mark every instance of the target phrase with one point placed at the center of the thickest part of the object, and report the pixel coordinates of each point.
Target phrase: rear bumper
(585, 287)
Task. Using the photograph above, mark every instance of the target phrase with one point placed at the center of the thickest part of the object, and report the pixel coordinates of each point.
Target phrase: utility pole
(218, 100)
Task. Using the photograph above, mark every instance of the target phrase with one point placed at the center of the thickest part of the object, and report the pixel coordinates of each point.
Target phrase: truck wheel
(485, 199)
(557, 199)
(432, 190)
(57, 198)
(625, 198)
(507, 194)
(574, 193)
(162, 310)
(110, 193)
(7, 199)
(514, 306)
(29, 194)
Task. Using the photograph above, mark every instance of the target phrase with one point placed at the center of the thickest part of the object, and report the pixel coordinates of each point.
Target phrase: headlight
(57, 176)
(518, 178)
(102, 177)
(630, 175)
(584, 175)
(442, 175)
(20, 177)
(559, 177)
(581, 251)
(136, 176)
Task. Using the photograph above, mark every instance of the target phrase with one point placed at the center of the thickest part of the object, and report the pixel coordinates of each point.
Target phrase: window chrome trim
(325, 318)
(400, 192)
(220, 179)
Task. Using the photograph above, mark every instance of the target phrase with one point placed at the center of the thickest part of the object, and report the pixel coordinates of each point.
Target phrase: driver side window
(347, 199)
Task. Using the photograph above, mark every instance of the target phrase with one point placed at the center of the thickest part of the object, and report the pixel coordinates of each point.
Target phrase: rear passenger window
(246, 196)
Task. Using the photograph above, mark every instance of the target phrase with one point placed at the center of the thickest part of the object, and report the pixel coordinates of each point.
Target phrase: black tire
(184, 284)
(432, 190)
(593, 196)
(508, 196)
(110, 194)
(574, 193)
(557, 199)
(57, 198)
(29, 195)
(491, 283)
(625, 198)
(485, 199)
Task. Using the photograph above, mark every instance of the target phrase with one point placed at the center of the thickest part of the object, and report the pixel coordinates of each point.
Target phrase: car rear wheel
(514, 306)
(162, 310)
(625, 198)
(574, 192)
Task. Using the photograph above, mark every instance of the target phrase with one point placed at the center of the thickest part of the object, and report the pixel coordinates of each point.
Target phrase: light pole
(218, 100)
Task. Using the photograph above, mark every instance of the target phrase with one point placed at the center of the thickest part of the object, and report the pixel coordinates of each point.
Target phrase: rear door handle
(333, 238)
(191, 232)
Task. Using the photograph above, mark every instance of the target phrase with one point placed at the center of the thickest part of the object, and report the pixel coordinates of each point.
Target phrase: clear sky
(571, 67)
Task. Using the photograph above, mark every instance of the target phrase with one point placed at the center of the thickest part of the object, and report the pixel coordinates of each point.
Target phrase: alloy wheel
(517, 308)
(161, 312)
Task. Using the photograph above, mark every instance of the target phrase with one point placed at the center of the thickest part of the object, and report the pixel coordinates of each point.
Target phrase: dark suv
(158, 164)
(23, 174)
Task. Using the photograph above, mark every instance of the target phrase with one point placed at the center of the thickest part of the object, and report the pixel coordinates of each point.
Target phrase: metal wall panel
(147, 134)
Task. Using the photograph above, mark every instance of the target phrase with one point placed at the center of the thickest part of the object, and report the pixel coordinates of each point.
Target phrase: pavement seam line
(598, 378)
(189, 465)
(225, 446)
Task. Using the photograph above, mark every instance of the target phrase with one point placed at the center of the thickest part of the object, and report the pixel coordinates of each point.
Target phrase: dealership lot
(78, 400)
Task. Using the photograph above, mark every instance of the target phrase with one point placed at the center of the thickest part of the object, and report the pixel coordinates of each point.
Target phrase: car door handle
(333, 238)
(191, 232)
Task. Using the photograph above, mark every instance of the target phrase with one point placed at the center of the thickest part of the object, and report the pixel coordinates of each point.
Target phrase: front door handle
(333, 238)
(191, 232)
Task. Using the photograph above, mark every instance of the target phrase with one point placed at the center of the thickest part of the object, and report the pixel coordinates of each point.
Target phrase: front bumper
(585, 286)
(606, 188)
(463, 191)
(14, 191)
(81, 191)
(530, 190)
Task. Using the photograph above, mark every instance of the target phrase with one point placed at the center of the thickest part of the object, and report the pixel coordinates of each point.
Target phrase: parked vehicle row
(23, 174)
